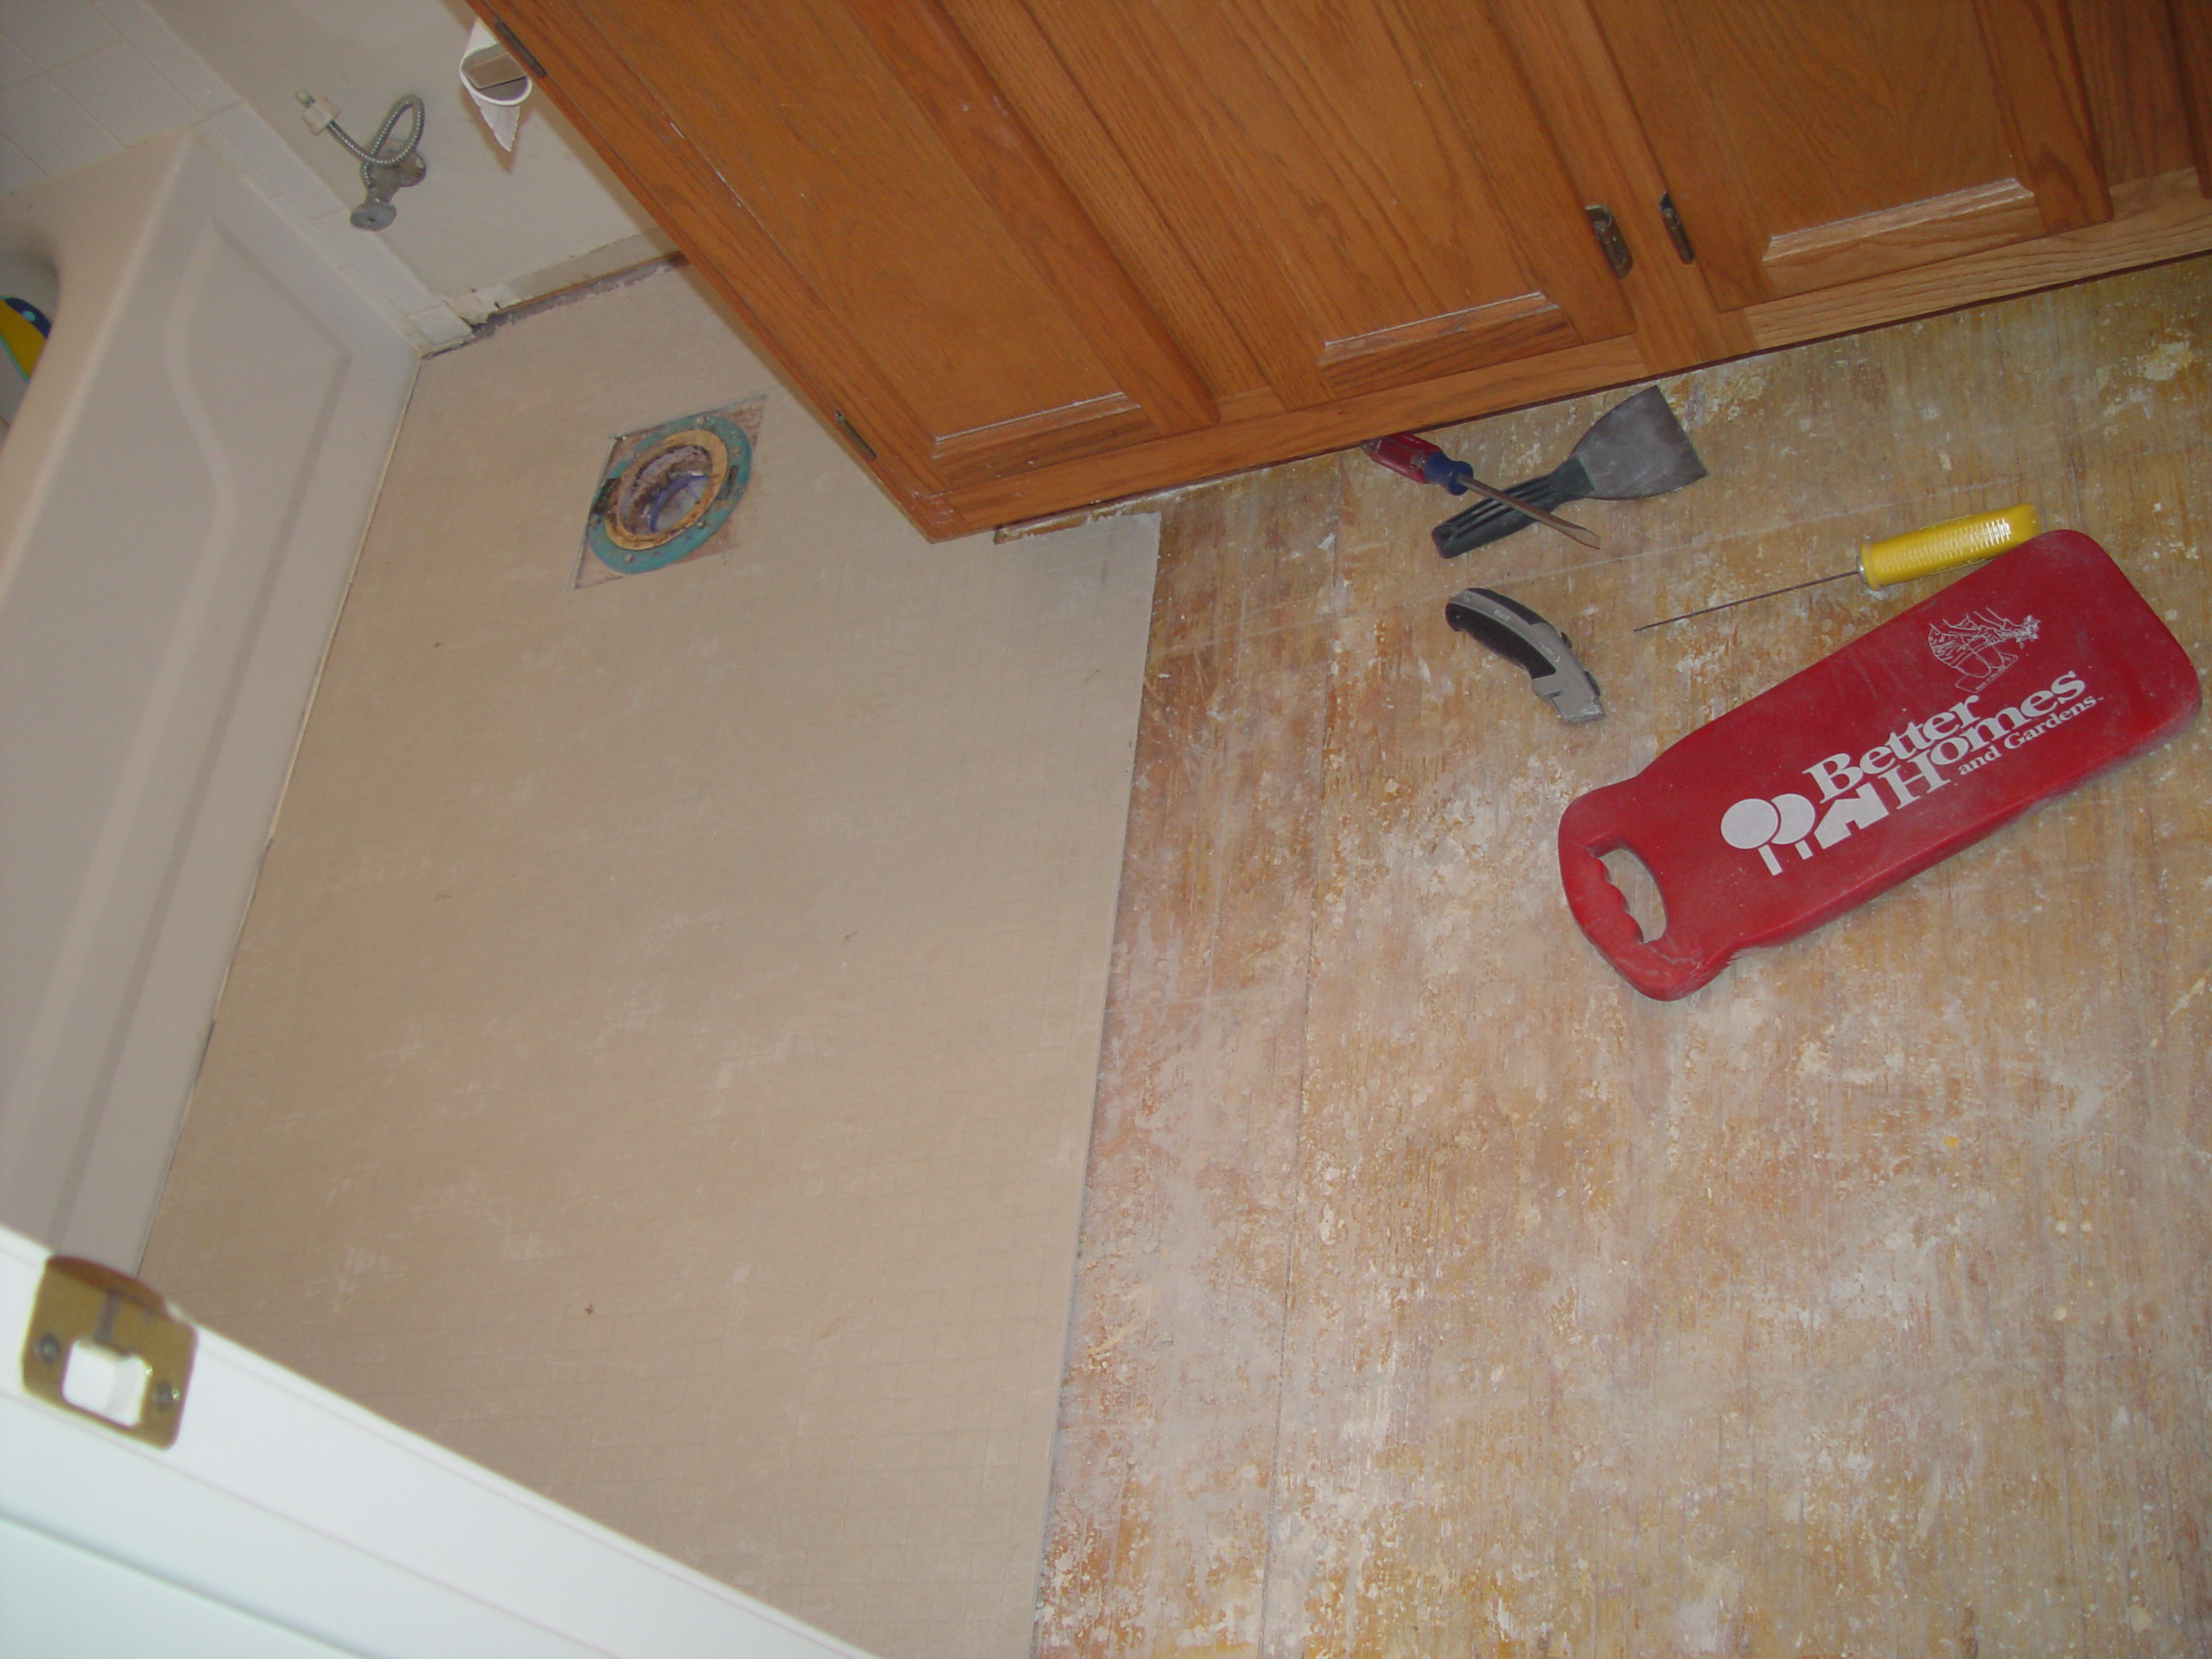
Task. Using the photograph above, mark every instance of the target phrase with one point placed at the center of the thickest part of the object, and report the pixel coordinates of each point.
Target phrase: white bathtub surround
(83, 80)
(180, 498)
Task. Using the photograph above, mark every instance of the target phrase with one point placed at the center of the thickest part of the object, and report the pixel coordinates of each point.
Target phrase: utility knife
(1519, 635)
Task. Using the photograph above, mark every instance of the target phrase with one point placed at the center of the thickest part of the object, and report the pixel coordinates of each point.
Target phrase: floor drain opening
(666, 492)
(662, 494)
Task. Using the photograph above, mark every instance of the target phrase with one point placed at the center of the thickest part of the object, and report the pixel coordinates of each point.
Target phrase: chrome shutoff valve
(386, 169)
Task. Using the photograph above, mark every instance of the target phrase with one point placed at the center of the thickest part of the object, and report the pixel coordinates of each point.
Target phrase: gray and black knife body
(1636, 448)
(1524, 639)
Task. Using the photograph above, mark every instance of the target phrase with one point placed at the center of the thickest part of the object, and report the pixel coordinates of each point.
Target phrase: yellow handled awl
(1916, 553)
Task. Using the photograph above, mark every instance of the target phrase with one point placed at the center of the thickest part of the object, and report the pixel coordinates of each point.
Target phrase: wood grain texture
(1476, 79)
(1193, 457)
(2165, 218)
(1854, 1305)
(2130, 71)
(1202, 1073)
(797, 108)
(1336, 182)
(1025, 69)
(996, 152)
(1603, 142)
(2192, 34)
(853, 170)
(2159, 218)
(1776, 120)
(1678, 108)
(1918, 234)
(1039, 254)
(1525, 326)
(619, 116)
(2045, 110)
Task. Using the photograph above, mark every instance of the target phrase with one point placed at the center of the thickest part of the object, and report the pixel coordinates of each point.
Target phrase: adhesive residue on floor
(1438, 1294)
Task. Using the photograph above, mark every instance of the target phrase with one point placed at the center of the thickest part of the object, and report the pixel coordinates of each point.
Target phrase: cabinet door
(1811, 143)
(1365, 186)
(849, 178)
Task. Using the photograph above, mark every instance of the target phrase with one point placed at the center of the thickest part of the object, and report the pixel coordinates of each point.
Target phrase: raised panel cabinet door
(1808, 143)
(851, 179)
(1366, 188)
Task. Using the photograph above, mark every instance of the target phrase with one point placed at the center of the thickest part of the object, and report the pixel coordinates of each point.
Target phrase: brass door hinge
(1680, 237)
(1609, 240)
(853, 433)
(104, 1346)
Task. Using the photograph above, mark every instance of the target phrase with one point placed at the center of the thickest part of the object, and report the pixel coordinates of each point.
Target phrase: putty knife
(1635, 448)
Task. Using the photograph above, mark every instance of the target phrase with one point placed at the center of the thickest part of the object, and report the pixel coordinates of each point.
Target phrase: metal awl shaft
(1747, 599)
(1916, 553)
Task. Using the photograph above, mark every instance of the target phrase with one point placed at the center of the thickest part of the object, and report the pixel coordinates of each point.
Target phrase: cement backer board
(659, 1057)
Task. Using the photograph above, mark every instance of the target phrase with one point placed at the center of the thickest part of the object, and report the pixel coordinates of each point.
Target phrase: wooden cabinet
(1360, 223)
(1811, 146)
(1030, 254)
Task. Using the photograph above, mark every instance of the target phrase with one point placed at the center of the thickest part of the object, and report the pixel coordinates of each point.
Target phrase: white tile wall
(53, 31)
(80, 79)
(13, 66)
(133, 100)
(16, 169)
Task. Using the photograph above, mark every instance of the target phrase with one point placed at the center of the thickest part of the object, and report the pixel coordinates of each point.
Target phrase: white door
(284, 1521)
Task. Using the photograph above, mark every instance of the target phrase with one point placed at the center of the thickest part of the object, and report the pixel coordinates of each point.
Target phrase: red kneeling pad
(2014, 684)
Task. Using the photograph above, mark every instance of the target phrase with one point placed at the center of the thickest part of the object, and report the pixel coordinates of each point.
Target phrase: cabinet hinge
(852, 434)
(1611, 242)
(104, 1346)
(1680, 236)
(514, 44)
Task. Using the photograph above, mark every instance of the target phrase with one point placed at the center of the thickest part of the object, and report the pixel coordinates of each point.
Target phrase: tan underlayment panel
(659, 1059)
(1439, 1294)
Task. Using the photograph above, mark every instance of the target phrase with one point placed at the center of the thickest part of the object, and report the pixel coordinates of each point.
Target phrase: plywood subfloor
(1438, 1294)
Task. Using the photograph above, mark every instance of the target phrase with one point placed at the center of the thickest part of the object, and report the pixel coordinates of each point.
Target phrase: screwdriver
(1916, 553)
(1423, 462)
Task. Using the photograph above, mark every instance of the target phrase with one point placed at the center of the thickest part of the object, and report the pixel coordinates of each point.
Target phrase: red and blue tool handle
(1421, 461)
